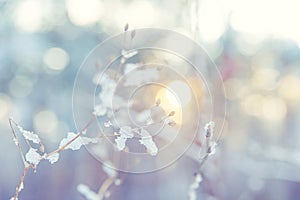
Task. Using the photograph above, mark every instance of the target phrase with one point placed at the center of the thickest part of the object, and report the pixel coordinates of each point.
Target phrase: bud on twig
(132, 34)
(126, 27)
(171, 114)
(157, 103)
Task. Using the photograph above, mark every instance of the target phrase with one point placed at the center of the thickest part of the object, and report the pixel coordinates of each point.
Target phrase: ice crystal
(28, 135)
(147, 141)
(125, 133)
(77, 143)
(53, 158)
(32, 156)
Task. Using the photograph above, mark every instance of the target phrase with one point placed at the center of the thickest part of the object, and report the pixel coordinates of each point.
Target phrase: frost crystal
(107, 124)
(147, 141)
(120, 141)
(53, 158)
(106, 95)
(32, 156)
(87, 192)
(212, 148)
(29, 135)
(125, 133)
(21, 187)
(76, 144)
(16, 142)
(194, 186)
(209, 129)
(99, 110)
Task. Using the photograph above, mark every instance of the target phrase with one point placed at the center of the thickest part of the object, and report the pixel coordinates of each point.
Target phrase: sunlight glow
(29, 15)
(182, 92)
(136, 14)
(211, 20)
(264, 18)
(83, 13)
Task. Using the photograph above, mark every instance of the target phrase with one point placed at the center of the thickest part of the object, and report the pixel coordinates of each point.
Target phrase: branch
(68, 143)
(27, 166)
(17, 141)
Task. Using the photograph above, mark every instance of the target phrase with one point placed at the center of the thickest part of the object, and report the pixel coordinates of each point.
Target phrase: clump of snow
(147, 141)
(212, 148)
(53, 158)
(209, 129)
(77, 143)
(32, 156)
(125, 133)
(28, 135)
(21, 187)
(99, 110)
(194, 186)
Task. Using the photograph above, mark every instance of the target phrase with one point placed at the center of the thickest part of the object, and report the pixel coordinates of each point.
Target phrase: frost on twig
(194, 186)
(106, 95)
(28, 135)
(52, 158)
(103, 191)
(34, 156)
(147, 141)
(210, 150)
(87, 192)
(125, 133)
(210, 143)
(153, 116)
(77, 143)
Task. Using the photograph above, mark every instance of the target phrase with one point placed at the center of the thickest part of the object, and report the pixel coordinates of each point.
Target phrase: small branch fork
(28, 166)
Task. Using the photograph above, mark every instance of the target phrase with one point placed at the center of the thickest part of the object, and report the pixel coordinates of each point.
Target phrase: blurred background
(255, 44)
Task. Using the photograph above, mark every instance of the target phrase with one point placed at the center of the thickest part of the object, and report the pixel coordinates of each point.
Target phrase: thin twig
(21, 181)
(17, 141)
(105, 186)
(117, 74)
(27, 166)
(72, 140)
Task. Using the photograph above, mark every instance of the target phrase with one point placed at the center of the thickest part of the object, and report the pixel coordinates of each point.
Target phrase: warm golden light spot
(274, 109)
(173, 98)
(178, 93)
(289, 88)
